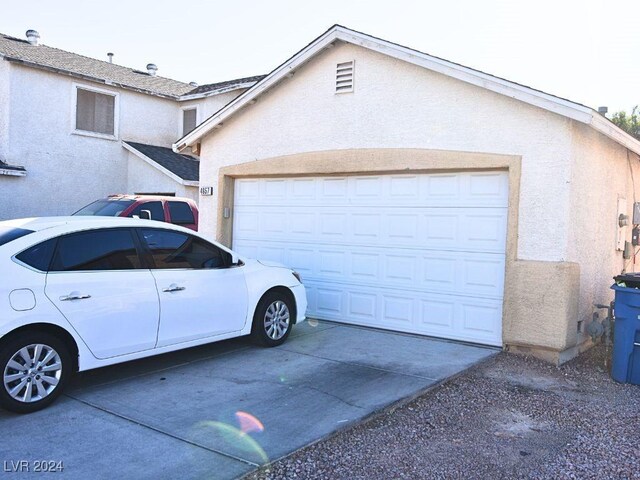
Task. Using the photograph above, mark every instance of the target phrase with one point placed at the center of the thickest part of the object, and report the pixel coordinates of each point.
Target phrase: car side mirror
(236, 262)
(145, 214)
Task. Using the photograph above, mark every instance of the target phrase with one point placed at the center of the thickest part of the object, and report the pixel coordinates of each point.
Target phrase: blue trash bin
(625, 366)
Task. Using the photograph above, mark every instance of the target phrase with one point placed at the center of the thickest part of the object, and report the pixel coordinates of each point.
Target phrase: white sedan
(78, 293)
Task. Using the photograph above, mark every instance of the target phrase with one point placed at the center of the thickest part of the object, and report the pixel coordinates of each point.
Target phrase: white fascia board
(262, 86)
(13, 173)
(156, 165)
(614, 132)
(528, 95)
(212, 93)
(468, 75)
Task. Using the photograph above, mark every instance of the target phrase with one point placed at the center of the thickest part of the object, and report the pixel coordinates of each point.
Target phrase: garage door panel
(478, 189)
(398, 309)
(441, 315)
(444, 272)
(417, 253)
(437, 315)
(329, 301)
(454, 229)
(362, 305)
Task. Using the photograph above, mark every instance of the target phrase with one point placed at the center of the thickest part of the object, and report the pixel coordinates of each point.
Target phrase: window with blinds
(189, 120)
(95, 112)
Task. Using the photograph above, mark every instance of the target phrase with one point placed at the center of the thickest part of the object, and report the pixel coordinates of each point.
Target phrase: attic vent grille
(344, 77)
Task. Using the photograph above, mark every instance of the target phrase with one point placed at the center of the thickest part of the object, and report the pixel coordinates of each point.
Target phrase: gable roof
(538, 98)
(184, 169)
(67, 63)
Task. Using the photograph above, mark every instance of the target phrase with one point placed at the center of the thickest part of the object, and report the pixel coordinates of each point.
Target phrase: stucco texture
(66, 170)
(145, 178)
(399, 105)
(551, 276)
(602, 172)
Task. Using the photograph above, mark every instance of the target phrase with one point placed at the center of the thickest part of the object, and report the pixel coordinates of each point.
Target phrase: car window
(180, 250)
(105, 208)
(38, 256)
(107, 249)
(7, 234)
(181, 213)
(157, 212)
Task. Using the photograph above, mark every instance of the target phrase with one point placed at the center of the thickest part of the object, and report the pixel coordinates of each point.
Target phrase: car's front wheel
(273, 319)
(35, 368)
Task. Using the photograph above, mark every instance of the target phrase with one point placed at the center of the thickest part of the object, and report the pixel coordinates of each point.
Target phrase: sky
(587, 51)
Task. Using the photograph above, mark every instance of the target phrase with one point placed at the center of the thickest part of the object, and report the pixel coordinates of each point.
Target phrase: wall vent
(344, 77)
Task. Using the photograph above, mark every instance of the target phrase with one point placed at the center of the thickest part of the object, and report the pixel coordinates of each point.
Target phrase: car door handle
(74, 296)
(173, 288)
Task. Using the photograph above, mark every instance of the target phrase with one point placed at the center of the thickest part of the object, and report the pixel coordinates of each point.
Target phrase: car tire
(35, 368)
(273, 319)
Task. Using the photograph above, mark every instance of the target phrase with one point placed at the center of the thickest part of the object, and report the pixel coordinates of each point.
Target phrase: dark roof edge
(130, 146)
(12, 170)
(225, 86)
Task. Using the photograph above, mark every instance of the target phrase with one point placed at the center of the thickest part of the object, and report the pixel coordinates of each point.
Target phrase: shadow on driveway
(221, 410)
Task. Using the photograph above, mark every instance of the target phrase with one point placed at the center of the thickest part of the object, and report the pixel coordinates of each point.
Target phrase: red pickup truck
(176, 210)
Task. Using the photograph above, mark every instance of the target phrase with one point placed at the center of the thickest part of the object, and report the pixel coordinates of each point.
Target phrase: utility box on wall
(636, 213)
(621, 235)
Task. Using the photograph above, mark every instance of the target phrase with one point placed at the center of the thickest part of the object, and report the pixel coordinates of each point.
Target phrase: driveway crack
(332, 396)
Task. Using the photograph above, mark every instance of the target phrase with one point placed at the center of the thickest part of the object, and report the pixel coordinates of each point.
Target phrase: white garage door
(414, 253)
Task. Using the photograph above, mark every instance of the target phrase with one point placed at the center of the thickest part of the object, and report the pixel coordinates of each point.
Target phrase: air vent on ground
(344, 77)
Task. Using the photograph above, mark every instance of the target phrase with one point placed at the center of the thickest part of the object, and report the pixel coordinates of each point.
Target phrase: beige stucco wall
(397, 108)
(207, 106)
(144, 178)
(399, 105)
(602, 172)
(65, 170)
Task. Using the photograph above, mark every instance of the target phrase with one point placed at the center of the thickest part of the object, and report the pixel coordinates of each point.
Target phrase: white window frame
(116, 112)
(195, 107)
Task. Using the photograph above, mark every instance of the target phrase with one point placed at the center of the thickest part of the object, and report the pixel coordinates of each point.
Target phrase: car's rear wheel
(35, 368)
(273, 319)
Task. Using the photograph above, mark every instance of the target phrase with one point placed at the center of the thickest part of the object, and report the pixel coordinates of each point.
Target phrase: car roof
(81, 221)
(126, 196)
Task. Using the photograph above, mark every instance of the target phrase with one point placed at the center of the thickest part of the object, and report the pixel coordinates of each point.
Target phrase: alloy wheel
(276, 320)
(32, 373)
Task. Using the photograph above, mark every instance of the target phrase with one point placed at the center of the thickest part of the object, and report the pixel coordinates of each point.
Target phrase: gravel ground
(510, 417)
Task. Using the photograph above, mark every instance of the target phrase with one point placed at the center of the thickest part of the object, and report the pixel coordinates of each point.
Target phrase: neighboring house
(74, 129)
(422, 196)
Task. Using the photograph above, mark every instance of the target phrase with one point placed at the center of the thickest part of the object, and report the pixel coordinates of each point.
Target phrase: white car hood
(269, 263)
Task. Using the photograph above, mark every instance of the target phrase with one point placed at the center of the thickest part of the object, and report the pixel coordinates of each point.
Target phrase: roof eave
(218, 91)
(12, 172)
(615, 133)
(519, 92)
(504, 87)
(260, 87)
(156, 165)
(86, 77)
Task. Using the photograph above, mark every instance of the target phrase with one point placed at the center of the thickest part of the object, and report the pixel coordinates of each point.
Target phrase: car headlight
(297, 275)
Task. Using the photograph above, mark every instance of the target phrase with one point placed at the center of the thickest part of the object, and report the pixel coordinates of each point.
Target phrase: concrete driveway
(220, 410)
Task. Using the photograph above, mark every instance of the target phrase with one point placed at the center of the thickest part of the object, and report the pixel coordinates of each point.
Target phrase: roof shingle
(17, 50)
(49, 58)
(223, 85)
(184, 166)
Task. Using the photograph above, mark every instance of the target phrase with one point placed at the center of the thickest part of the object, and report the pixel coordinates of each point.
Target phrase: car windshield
(105, 208)
(8, 234)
